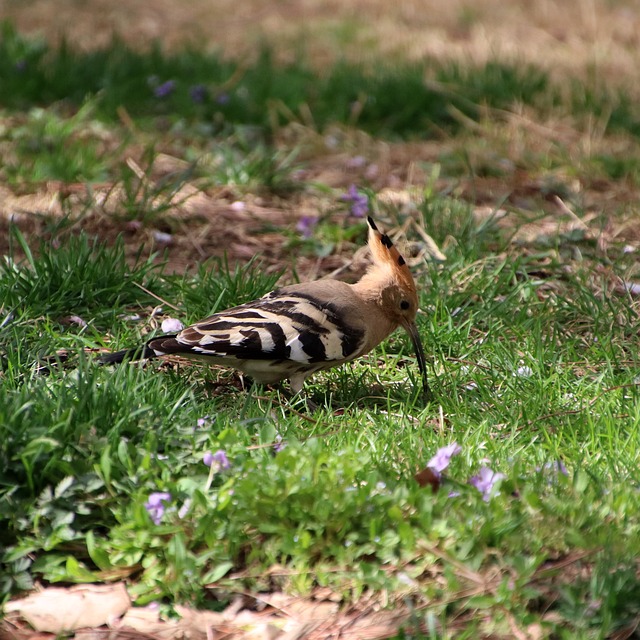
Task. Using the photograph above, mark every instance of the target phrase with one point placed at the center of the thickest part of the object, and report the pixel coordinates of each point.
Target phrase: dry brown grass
(569, 37)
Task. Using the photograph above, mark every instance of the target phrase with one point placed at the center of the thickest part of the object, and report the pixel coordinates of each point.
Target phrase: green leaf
(105, 465)
(97, 554)
(63, 485)
(580, 481)
(77, 572)
(219, 571)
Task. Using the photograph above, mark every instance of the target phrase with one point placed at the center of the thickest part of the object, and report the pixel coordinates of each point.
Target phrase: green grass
(406, 100)
(515, 365)
(48, 147)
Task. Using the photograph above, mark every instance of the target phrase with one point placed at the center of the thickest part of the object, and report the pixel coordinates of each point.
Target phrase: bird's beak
(412, 330)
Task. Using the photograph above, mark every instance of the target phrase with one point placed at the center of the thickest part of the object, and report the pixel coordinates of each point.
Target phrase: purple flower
(184, 509)
(223, 98)
(357, 162)
(198, 93)
(162, 237)
(77, 320)
(443, 456)
(164, 89)
(556, 467)
(279, 444)
(219, 458)
(358, 201)
(485, 481)
(306, 225)
(155, 506)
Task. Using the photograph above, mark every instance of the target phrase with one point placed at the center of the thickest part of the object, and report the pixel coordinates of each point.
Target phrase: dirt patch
(200, 223)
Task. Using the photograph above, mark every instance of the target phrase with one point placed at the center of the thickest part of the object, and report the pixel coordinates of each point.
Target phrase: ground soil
(597, 40)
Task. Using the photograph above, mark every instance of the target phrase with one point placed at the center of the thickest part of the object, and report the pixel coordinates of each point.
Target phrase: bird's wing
(285, 325)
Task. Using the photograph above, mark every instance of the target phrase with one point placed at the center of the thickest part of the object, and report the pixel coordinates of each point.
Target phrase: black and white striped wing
(282, 326)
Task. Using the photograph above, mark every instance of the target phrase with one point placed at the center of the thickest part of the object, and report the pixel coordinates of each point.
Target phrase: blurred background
(574, 36)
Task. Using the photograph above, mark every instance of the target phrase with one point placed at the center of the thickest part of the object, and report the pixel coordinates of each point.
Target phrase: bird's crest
(386, 255)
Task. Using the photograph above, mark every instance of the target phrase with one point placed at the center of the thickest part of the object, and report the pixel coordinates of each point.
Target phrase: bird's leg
(297, 383)
(311, 406)
(296, 395)
(247, 383)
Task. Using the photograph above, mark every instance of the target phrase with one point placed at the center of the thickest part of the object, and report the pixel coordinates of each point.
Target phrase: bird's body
(297, 330)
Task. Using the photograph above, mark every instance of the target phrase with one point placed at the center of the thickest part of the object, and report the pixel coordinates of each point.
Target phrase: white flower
(171, 325)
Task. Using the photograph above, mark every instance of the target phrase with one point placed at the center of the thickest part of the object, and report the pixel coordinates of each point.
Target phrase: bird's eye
(404, 305)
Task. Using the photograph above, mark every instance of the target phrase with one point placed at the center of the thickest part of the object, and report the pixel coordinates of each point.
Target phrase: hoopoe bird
(300, 329)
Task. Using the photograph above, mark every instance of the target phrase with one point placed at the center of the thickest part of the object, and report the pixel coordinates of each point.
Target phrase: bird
(297, 330)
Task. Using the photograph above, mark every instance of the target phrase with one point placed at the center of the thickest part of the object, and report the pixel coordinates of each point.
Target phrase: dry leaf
(201, 625)
(428, 477)
(59, 610)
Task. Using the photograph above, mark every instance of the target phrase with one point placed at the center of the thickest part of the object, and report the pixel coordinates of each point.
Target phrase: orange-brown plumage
(297, 330)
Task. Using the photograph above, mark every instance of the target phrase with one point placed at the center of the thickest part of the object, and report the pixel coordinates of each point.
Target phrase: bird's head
(390, 283)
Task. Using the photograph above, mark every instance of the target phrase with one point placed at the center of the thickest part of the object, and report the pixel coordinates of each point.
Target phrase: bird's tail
(137, 353)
